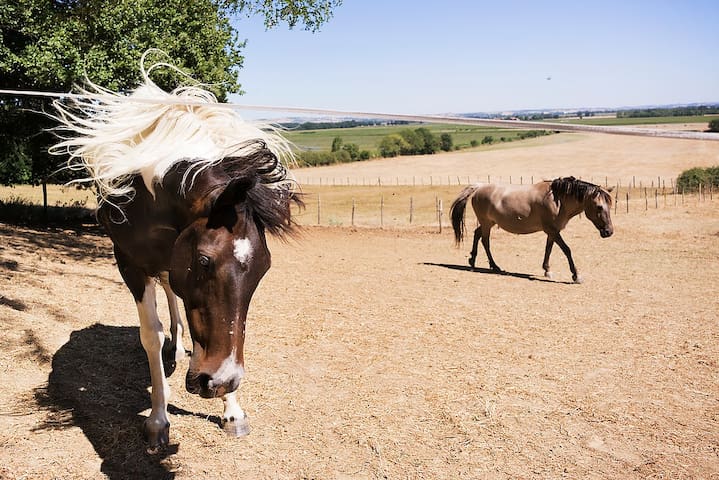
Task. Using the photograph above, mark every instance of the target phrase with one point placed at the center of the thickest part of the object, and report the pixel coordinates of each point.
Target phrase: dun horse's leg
(234, 420)
(565, 248)
(486, 230)
(473, 253)
(547, 253)
(157, 425)
(174, 350)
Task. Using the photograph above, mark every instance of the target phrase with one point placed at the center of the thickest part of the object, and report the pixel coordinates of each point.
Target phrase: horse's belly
(519, 225)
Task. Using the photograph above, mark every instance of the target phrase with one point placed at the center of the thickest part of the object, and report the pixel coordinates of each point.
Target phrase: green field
(368, 138)
(613, 121)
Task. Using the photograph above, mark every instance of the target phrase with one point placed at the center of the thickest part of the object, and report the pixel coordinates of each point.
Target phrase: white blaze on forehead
(243, 249)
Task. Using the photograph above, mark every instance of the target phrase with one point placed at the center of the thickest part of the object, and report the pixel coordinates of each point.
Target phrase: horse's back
(515, 208)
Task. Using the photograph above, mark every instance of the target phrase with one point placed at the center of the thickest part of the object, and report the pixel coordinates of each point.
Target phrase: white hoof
(236, 427)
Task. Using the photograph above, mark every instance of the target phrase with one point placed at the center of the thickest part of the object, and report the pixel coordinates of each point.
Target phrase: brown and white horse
(187, 194)
(545, 206)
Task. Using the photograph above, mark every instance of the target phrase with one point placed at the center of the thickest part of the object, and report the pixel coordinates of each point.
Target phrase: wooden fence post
(381, 211)
(627, 200)
(439, 214)
(353, 212)
(318, 208)
(411, 209)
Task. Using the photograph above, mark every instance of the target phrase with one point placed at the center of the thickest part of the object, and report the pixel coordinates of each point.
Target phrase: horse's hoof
(577, 279)
(549, 275)
(236, 427)
(471, 263)
(157, 439)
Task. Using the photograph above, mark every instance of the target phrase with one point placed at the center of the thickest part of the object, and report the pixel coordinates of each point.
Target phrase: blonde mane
(114, 137)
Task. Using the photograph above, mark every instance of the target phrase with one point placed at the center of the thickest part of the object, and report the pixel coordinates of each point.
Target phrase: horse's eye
(204, 261)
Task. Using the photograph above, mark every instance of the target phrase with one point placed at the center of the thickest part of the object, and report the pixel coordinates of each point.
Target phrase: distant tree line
(669, 112)
(342, 124)
(340, 153)
(689, 180)
(420, 141)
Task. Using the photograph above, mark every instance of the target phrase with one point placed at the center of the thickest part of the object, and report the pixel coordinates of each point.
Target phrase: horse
(187, 193)
(545, 206)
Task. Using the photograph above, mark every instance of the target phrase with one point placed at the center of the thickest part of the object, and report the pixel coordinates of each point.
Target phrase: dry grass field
(376, 353)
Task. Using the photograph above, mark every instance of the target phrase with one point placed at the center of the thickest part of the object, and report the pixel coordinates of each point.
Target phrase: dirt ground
(378, 354)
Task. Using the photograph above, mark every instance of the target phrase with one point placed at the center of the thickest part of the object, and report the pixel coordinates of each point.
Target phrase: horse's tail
(457, 212)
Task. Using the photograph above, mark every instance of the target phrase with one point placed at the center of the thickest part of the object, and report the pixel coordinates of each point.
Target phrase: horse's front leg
(157, 425)
(565, 248)
(234, 420)
(174, 350)
(547, 253)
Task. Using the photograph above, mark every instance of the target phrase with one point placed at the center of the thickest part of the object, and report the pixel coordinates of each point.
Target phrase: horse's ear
(610, 189)
(233, 193)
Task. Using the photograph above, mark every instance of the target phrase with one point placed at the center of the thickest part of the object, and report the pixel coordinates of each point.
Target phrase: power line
(455, 120)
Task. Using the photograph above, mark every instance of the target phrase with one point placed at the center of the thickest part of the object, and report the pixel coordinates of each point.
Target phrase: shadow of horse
(99, 383)
(467, 268)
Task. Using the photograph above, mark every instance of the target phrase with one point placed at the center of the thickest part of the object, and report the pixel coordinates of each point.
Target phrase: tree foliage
(690, 180)
(419, 141)
(50, 45)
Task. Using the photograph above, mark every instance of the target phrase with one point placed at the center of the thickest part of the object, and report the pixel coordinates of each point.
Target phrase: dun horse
(187, 194)
(547, 206)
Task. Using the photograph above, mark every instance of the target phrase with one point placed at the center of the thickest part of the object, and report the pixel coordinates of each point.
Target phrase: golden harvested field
(377, 353)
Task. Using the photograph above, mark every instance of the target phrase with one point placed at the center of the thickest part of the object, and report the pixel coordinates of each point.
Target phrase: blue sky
(456, 56)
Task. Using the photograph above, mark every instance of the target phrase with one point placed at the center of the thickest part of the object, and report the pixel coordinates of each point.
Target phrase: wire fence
(459, 180)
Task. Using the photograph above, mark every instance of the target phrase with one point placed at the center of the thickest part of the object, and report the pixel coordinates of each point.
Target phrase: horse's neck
(570, 206)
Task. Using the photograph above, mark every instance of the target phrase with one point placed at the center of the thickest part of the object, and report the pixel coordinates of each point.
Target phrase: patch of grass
(368, 138)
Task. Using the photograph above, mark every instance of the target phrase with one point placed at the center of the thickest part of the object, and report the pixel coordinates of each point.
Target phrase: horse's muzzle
(203, 385)
(606, 233)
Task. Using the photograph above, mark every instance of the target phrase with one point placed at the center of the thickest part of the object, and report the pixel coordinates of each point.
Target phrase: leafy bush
(532, 134)
(689, 180)
(445, 142)
(714, 125)
(419, 141)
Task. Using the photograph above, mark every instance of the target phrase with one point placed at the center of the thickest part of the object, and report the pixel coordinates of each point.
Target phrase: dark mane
(579, 189)
(270, 193)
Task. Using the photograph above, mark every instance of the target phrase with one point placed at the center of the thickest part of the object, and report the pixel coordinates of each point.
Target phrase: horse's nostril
(203, 380)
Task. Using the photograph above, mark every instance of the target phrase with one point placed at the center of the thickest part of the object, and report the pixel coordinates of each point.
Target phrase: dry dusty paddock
(378, 354)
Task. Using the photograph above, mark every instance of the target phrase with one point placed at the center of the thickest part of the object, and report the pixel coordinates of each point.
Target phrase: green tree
(336, 144)
(49, 45)
(393, 145)
(714, 125)
(445, 142)
(353, 150)
(429, 143)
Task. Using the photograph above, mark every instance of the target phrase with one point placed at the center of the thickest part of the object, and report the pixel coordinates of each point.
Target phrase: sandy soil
(378, 354)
